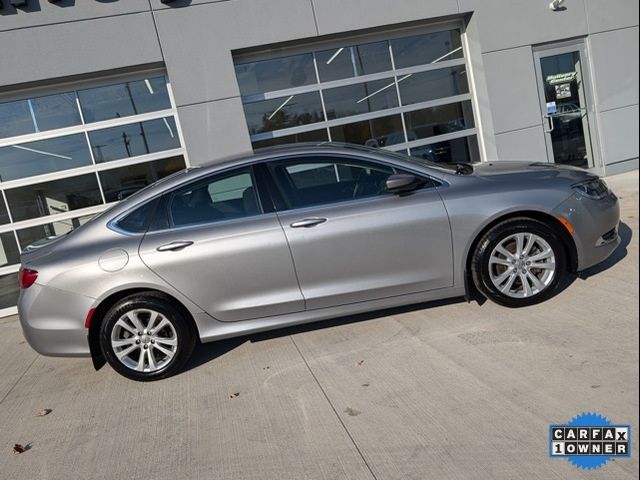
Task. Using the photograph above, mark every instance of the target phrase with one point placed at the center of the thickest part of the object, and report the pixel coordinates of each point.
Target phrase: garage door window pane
(276, 74)
(9, 290)
(426, 49)
(54, 197)
(360, 98)
(460, 150)
(433, 121)
(284, 112)
(119, 183)
(346, 62)
(425, 86)
(16, 119)
(44, 156)
(312, 136)
(4, 215)
(124, 99)
(134, 139)
(56, 111)
(379, 132)
(9, 253)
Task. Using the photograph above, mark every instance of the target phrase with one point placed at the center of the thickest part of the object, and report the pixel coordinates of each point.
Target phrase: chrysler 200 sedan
(302, 233)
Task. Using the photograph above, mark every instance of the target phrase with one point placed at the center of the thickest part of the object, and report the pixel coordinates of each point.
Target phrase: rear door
(217, 245)
(351, 240)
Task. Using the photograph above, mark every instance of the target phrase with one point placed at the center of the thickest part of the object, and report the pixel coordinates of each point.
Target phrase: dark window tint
(425, 86)
(49, 198)
(315, 181)
(361, 98)
(55, 111)
(16, 119)
(346, 62)
(312, 136)
(9, 290)
(44, 156)
(378, 132)
(460, 150)
(433, 121)
(426, 49)
(223, 197)
(119, 183)
(28, 236)
(290, 111)
(276, 74)
(138, 220)
(9, 253)
(124, 99)
(134, 139)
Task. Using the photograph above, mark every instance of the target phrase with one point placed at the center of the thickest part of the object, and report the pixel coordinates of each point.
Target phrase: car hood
(491, 170)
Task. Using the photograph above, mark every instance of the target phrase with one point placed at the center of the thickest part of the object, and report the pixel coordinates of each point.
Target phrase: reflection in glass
(4, 215)
(55, 111)
(460, 150)
(425, 86)
(16, 119)
(49, 198)
(124, 99)
(346, 62)
(44, 156)
(429, 122)
(134, 139)
(9, 253)
(119, 183)
(28, 236)
(426, 49)
(379, 132)
(9, 290)
(276, 74)
(285, 112)
(360, 98)
(312, 136)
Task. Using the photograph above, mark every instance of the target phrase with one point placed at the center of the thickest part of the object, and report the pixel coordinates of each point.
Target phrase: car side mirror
(400, 183)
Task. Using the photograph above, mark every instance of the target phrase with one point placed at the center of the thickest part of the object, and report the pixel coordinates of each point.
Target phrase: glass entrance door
(566, 105)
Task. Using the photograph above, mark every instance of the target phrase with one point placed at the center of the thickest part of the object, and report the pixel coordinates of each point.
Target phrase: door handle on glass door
(174, 246)
(551, 125)
(308, 222)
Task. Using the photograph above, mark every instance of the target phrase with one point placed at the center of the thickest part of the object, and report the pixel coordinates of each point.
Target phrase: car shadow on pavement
(207, 352)
(626, 234)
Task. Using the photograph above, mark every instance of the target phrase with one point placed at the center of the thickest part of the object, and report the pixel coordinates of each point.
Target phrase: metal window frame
(340, 41)
(83, 128)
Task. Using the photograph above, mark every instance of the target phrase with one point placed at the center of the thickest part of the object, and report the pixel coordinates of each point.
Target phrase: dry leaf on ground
(44, 412)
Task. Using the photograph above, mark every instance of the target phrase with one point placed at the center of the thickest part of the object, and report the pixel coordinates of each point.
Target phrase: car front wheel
(519, 262)
(145, 337)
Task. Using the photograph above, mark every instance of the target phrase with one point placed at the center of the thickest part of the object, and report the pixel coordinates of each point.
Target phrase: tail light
(26, 277)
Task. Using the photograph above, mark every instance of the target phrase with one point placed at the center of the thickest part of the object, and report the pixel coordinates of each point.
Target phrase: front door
(352, 241)
(567, 109)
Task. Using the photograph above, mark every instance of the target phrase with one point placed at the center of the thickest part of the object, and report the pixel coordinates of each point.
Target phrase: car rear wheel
(145, 337)
(519, 262)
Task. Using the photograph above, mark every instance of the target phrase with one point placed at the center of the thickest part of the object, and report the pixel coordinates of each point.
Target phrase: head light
(595, 188)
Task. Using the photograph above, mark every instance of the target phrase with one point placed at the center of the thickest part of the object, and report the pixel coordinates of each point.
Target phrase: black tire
(182, 332)
(480, 261)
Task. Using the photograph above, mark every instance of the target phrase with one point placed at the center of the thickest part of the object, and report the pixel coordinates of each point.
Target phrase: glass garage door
(67, 155)
(406, 93)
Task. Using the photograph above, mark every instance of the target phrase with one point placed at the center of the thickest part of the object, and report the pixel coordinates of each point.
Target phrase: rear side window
(221, 197)
(138, 221)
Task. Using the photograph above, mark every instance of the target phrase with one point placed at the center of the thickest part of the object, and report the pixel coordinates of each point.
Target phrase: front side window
(313, 181)
(221, 197)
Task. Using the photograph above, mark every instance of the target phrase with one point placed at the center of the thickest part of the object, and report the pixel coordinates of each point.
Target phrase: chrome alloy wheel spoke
(144, 340)
(522, 265)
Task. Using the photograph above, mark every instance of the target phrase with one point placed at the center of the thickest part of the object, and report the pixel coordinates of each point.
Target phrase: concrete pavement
(443, 390)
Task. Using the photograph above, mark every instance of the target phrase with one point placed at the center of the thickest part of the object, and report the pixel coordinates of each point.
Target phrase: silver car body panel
(257, 273)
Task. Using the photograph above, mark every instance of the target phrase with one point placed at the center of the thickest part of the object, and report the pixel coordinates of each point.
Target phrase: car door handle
(308, 222)
(174, 246)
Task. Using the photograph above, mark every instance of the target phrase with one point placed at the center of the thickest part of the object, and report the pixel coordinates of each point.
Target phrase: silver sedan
(303, 233)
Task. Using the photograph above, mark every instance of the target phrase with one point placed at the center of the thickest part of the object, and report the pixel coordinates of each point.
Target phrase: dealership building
(100, 98)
